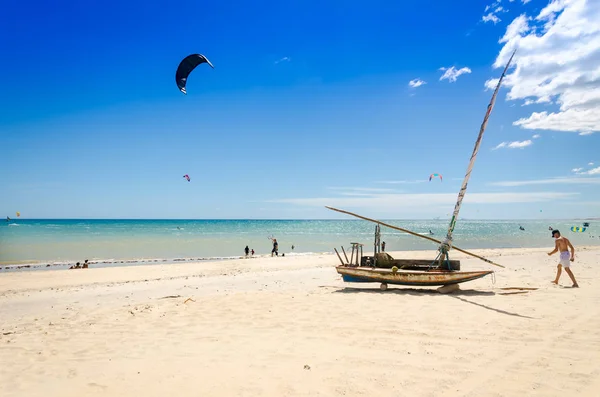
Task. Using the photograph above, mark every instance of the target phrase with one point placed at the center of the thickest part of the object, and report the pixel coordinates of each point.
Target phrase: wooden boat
(386, 261)
(383, 269)
(420, 278)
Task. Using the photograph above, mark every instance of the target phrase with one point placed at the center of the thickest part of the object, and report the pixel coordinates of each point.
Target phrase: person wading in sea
(563, 244)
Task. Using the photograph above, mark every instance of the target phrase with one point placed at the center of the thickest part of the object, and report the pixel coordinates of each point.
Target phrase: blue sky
(309, 105)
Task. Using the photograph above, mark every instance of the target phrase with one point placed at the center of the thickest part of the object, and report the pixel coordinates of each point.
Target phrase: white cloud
(524, 1)
(284, 59)
(557, 63)
(514, 145)
(536, 136)
(590, 164)
(451, 74)
(583, 133)
(520, 145)
(416, 83)
(576, 170)
(359, 191)
(403, 182)
(550, 181)
(387, 202)
(490, 18)
(495, 8)
(593, 171)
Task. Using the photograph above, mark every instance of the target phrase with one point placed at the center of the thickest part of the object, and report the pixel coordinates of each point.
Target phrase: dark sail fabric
(186, 66)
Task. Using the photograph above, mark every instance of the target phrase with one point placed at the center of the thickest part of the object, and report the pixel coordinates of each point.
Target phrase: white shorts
(565, 259)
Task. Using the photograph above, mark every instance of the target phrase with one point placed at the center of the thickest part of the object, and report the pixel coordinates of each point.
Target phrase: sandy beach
(290, 327)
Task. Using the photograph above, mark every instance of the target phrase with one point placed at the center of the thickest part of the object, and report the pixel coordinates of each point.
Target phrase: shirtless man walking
(563, 244)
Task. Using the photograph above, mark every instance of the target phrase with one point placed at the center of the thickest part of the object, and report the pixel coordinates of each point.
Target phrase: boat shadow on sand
(410, 291)
(420, 292)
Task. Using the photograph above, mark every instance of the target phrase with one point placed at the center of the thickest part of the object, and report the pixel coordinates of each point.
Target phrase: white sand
(253, 325)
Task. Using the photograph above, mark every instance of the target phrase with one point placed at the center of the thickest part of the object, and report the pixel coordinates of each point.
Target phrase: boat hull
(423, 278)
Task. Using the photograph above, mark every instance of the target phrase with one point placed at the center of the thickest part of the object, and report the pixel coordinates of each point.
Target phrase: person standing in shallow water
(563, 244)
(247, 250)
(275, 249)
(383, 246)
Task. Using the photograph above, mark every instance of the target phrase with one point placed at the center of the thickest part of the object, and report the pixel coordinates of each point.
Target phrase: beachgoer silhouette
(275, 249)
(77, 266)
(246, 250)
(383, 246)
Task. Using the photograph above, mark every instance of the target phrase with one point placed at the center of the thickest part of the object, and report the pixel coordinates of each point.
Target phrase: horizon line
(292, 219)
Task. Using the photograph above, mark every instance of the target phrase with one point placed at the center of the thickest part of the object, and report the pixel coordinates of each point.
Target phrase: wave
(139, 261)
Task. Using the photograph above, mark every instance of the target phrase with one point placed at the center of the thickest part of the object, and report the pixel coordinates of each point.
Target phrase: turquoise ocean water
(39, 243)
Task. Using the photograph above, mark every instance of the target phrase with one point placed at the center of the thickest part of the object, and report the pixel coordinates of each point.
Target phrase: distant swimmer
(292, 247)
(550, 228)
(521, 228)
(77, 266)
(430, 232)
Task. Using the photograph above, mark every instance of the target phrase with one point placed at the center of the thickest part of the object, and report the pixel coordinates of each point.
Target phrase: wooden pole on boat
(361, 254)
(338, 254)
(345, 256)
(414, 234)
(375, 246)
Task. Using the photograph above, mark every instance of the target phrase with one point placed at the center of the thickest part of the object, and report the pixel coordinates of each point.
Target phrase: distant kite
(18, 214)
(186, 176)
(433, 176)
(578, 229)
(186, 66)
